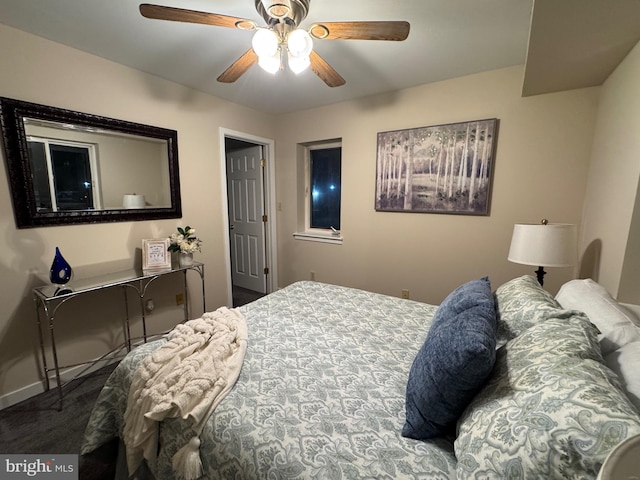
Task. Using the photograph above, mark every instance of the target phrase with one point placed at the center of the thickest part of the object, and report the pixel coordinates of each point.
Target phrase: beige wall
(610, 236)
(40, 71)
(540, 172)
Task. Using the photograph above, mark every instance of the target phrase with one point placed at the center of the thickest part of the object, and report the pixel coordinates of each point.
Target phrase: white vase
(185, 259)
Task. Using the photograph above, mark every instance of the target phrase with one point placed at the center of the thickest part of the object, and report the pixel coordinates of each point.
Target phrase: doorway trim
(271, 251)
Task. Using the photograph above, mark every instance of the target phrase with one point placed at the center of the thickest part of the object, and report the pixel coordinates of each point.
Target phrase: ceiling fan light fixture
(298, 64)
(270, 63)
(265, 43)
(279, 11)
(277, 8)
(281, 36)
(299, 43)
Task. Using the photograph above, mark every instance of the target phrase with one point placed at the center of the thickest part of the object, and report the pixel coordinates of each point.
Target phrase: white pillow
(624, 362)
(618, 326)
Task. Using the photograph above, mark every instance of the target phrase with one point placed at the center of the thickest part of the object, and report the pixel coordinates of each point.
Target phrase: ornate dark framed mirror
(66, 167)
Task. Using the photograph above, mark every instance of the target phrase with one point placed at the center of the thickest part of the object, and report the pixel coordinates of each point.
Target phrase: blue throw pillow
(454, 361)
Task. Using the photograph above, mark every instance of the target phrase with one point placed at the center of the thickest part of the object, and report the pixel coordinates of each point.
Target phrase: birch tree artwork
(437, 169)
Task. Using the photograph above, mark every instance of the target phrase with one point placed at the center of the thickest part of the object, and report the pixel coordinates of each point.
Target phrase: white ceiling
(448, 38)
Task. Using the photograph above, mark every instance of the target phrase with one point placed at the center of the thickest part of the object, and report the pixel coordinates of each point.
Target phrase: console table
(49, 298)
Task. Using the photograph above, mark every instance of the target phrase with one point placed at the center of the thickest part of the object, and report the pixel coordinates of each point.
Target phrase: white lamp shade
(551, 245)
(299, 43)
(265, 43)
(298, 64)
(270, 64)
(133, 201)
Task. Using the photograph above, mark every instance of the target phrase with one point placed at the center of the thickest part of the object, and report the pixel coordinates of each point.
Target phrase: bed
(326, 379)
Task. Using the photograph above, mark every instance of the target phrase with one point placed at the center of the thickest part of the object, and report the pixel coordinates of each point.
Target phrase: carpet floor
(39, 426)
(242, 296)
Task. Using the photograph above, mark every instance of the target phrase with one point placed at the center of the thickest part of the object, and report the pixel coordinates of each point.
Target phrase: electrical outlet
(312, 275)
(405, 294)
(179, 298)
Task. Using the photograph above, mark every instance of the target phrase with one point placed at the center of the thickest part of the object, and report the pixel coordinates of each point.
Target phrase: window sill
(318, 237)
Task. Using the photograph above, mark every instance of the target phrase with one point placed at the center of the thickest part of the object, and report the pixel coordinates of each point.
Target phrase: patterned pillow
(520, 304)
(551, 408)
(454, 361)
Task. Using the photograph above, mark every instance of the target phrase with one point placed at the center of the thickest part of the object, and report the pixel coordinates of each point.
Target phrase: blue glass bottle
(60, 272)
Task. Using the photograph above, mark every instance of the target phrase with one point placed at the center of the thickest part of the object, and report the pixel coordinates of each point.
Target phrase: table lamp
(545, 245)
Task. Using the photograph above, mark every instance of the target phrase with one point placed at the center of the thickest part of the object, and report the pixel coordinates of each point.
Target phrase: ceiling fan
(282, 38)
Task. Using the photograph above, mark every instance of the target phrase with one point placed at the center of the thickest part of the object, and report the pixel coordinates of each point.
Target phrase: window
(323, 186)
(325, 170)
(62, 175)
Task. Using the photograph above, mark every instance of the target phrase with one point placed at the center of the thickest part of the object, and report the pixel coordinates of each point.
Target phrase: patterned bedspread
(320, 395)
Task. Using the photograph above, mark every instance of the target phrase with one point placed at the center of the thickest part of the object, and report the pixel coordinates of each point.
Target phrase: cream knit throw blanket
(186, 377)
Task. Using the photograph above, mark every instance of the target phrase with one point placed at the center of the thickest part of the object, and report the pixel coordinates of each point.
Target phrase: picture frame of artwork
(155, 254)
(437, 169)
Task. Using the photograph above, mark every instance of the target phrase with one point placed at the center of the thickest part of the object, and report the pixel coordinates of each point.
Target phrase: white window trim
(319, 236)
(94, 170)
(309, 234)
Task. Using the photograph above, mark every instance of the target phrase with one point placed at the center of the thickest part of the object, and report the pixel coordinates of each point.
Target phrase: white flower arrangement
(185, 241)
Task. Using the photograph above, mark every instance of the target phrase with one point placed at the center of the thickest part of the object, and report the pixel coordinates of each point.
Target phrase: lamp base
(540, 273)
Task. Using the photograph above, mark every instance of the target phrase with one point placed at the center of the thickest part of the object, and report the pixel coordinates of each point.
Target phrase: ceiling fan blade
(391, 30)
(239, 67)
(160, 12)
(325, 71)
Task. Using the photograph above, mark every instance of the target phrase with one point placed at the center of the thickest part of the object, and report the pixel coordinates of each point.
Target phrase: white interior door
(246, 227)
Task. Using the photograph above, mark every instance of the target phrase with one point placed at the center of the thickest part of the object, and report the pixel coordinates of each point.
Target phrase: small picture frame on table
(155, 254)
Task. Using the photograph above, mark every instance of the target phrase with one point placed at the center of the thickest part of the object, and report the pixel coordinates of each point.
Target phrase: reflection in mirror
(69, 167)
(81, 169)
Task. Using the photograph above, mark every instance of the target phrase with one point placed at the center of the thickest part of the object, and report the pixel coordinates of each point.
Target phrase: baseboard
(25, 393)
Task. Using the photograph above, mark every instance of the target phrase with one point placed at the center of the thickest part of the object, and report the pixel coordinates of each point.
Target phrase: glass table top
(81, 285)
